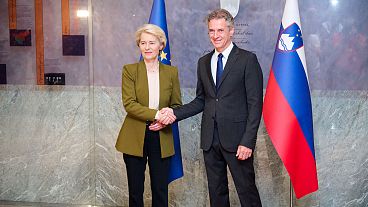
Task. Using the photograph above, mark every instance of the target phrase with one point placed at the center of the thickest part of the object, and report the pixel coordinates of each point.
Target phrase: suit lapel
(230, 63)
(162, 75)
(142, 75)
(208, 70)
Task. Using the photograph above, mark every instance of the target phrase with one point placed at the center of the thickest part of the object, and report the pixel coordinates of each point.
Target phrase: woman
(148, 86)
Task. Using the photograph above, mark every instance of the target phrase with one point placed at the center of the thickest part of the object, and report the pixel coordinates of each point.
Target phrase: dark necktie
(220, 69)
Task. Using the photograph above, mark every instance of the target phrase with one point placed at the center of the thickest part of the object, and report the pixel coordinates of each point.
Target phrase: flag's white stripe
(301, 54)
(291, 13)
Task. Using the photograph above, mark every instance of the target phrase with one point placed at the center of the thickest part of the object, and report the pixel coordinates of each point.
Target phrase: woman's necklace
(152, 67)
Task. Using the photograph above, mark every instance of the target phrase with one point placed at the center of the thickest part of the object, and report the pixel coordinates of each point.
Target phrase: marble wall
(57, 146)
(47, 145)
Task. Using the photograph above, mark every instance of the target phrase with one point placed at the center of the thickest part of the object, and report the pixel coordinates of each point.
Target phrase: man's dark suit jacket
(236, 107)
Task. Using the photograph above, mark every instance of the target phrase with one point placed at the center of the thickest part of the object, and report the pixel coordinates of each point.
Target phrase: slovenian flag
(158, 17)
(287, 110)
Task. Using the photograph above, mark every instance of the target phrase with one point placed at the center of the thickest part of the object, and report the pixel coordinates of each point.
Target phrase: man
(230, 93)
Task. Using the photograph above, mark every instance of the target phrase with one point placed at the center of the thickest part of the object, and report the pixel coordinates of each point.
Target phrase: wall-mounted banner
(65, 20)
(40, 47)
(12, 11)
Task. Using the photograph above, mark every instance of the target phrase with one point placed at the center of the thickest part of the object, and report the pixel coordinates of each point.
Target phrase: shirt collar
(226, 52)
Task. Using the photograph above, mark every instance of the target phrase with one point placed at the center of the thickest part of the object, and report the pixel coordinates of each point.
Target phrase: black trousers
(216, 160)
(158, 170)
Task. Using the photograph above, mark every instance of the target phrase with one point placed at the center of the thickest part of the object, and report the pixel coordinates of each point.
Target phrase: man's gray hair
(221, 14)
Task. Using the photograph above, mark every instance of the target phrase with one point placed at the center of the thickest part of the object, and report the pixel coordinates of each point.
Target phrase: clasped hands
(164, 117)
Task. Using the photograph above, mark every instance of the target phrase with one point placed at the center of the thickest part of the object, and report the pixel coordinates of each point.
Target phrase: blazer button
(216, 99)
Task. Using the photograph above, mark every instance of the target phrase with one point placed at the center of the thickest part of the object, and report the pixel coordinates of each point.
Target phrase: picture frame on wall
(3, 74)
(20, 37)
(73, 45)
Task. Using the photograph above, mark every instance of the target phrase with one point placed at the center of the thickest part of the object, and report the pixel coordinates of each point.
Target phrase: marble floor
(27, 204)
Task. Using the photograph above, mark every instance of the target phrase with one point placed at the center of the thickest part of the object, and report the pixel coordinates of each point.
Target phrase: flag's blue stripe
(176, 165)
(290, 76)
(158, 17)
(158, 14)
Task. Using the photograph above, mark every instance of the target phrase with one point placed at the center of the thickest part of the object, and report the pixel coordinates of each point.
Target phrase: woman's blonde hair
(152, 30)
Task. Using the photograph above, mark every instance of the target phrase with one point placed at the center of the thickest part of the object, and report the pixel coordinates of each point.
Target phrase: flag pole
(291, 193)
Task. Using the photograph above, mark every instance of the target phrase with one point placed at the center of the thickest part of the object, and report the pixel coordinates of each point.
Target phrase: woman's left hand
(156, 126)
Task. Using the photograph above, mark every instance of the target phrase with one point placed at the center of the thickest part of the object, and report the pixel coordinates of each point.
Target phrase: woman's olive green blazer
(135, 101)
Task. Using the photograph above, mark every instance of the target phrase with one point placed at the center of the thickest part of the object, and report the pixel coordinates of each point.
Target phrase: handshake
(164, 117)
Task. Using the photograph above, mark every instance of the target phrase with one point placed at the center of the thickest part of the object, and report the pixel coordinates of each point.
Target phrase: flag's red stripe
(288, 139)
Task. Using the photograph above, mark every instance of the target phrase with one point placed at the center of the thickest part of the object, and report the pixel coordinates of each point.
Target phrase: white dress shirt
(153, 89)
(214, 58)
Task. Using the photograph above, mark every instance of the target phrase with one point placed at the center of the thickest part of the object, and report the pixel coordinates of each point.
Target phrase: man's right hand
(166, 116)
